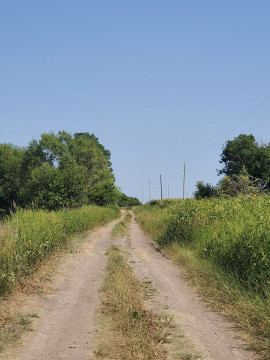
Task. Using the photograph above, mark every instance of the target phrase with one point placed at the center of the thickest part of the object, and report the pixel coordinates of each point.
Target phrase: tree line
(246, 169)
(59, 170)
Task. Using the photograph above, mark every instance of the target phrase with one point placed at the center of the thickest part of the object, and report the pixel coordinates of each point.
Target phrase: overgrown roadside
(220, 289)
(28, 237)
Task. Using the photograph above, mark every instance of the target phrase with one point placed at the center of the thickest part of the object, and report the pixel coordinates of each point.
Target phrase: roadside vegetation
(13, 327)
(29, 236)
(224, 245)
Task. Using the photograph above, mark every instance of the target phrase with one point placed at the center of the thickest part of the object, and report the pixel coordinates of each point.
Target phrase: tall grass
(30, 236)
(232, 233)
(224, 247)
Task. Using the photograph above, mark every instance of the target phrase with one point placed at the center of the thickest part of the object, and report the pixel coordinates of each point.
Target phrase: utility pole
(184, 182)
(149, 190)
(168, 191)
(161, 188)
(142, 194)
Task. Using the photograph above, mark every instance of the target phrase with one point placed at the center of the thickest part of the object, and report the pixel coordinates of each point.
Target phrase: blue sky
(158, 82)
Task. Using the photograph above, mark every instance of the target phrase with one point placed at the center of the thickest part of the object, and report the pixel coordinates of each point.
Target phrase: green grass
(30, 236)
(224, 245)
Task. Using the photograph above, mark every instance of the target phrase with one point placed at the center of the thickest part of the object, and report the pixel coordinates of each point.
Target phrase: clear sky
(158, 82)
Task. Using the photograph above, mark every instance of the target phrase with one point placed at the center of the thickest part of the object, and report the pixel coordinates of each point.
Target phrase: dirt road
(67, 326)
(67, 321)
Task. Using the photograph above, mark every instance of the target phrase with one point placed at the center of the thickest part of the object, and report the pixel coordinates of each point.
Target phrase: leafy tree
(204, 190)
(88, 152)
(58, 170)
(244, 152)
(11, 158)
(51, 188)
(125, 200)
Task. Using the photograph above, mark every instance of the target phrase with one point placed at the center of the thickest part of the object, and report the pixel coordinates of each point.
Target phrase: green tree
(243, 152)
(11, 158)
(58, 170)
(204, 190)
(125, 200)
(88, 152)
(52, 188)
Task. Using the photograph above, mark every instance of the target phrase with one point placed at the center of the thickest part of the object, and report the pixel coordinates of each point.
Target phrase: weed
(12, 327)
(224, 245)
(28, 237)
(128, 330)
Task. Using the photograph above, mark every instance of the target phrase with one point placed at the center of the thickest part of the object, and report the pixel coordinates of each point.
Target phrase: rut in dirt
(67, 326)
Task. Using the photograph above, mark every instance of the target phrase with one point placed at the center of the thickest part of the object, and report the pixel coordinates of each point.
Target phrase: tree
(244, 152)
(51, 188)
(125, 200)
(59, 170)
(11, 158)
(204, 190)
(88, 152)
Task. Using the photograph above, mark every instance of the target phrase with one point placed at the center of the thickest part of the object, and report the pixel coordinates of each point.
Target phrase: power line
(246, 117)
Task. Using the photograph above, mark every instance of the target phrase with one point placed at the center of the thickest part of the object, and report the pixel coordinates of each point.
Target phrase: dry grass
(122, 227)
(13, 327)
(128, 330)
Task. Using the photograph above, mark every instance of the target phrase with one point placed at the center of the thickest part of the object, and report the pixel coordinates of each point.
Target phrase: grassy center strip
(127, 329)
(122, 227)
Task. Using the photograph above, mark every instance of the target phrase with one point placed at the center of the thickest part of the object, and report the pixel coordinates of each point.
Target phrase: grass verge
(223, 293)
(29, 237)
(121, 228)
(128, 330)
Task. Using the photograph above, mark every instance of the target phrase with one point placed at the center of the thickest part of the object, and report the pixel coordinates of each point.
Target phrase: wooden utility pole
(142, 194)
(160, 188)
(184, 182)
(149, 190)
(168, 191)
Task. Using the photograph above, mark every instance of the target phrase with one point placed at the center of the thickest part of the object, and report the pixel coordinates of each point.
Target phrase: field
(28, 237)
(224, 245)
